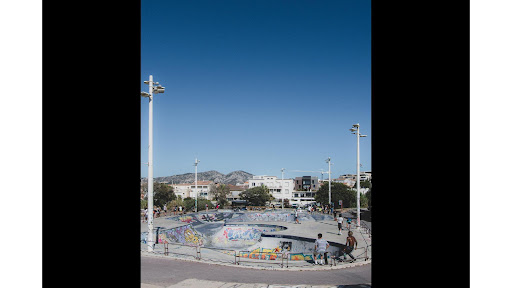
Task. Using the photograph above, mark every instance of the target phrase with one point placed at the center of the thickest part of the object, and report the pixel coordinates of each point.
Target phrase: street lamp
(155, 90)
(195, 164)
(329, 161)
(355, 130)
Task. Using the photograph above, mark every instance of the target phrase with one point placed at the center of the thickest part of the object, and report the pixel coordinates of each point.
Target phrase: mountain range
(215, 176)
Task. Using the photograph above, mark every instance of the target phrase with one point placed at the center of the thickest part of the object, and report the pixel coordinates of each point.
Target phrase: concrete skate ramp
(239, 236)
(249, 239)
(215, 235)
(185, 234)
(237, 217)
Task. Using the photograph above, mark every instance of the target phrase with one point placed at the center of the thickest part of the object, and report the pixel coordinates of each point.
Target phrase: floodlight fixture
(144, 94)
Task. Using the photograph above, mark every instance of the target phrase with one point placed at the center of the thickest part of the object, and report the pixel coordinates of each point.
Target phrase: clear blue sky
(257, 85)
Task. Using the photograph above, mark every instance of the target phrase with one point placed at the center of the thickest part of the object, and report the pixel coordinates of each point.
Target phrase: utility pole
(282, 190)
(195, 164)
(157, 89)
(355, 128)
(329, 162)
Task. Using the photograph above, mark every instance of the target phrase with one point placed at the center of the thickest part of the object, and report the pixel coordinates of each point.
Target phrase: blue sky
(257, 85)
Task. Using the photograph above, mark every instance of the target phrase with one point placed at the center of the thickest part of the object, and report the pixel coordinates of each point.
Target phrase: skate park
(268, 239)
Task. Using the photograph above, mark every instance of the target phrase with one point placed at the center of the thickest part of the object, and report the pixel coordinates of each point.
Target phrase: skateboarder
(351, 244)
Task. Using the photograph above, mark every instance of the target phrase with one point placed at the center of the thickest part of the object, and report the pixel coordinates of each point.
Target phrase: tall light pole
(195, 164)
(355, 130)
(282, 190)
(156, 90)
(329, 161)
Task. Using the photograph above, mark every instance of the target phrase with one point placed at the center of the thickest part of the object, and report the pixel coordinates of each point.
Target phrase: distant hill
(230, 178)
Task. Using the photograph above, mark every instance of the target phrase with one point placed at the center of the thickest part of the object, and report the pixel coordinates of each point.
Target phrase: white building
(188, 189)
(278, 188)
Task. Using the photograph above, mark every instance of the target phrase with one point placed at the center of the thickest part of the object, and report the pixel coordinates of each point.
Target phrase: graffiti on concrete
(214, 217)
(269, 216)
(187, 219)
(261, 253)
(300, 256)
(235, 234)
(183, 234)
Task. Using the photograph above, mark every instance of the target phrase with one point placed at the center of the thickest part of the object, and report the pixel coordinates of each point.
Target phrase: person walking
(349, 223)
(350, 244)
(340, 222)
(297, 216)
(321, 246)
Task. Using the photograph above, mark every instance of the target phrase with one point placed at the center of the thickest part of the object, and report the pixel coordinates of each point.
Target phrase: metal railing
(197, 248)
(220, 249)
(237, 254)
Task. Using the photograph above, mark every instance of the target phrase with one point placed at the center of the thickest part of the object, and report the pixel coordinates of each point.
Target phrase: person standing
(297, 216)
(340, 222)
(206, 206)
(350, 244)
(321, 246)
(165, 209)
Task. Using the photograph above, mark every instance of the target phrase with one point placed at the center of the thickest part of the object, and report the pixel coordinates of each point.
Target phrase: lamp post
(282, 190)
(355, 130)
(155, 90)
(329, 162)
(195, 164)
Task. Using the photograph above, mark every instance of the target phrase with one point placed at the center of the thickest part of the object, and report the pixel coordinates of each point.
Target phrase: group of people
(325, 209)
(321, 246)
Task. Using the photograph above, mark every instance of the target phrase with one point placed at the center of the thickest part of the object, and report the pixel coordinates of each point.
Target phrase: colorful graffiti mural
(300, 256)
(183, 234)
(235, 234)
(262, 253)
(187, 219)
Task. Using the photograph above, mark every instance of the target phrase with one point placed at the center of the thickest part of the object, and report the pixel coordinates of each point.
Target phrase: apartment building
(188, 189)
(278, 188)
(306, 183)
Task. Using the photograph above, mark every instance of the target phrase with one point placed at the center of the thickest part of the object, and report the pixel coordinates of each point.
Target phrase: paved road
(166, 272)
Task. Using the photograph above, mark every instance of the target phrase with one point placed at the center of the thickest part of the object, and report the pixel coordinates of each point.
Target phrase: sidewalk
(217, 284)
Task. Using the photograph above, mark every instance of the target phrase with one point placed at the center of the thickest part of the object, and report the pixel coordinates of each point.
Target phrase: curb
(291, 269)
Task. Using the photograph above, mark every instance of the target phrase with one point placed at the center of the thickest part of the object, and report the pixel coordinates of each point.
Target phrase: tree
(369, 197)
(257, 196)
(162, 194)
(339, 191)
(190, 204)
(220, 194)
(365, 184)
(286, 203)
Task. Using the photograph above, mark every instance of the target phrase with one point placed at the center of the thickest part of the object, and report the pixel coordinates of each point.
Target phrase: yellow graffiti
(191, 237)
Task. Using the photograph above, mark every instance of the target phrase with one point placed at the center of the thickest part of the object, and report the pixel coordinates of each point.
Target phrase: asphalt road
(165, 272)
